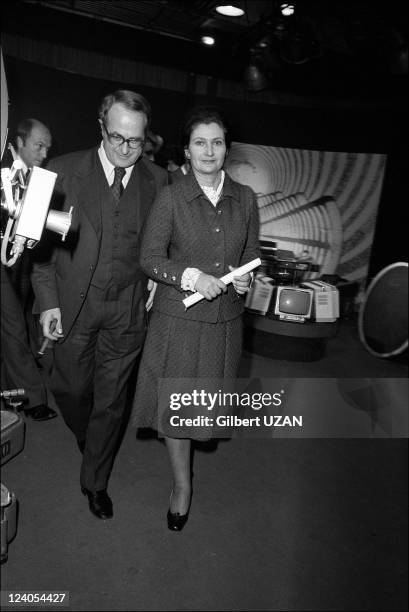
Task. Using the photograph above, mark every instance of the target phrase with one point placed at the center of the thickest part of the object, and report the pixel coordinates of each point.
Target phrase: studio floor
(275, 524)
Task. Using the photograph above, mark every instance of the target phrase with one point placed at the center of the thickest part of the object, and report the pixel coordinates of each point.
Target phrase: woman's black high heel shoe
(176, 521)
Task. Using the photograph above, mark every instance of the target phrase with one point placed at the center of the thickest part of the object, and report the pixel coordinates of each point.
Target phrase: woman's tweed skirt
(178, 348)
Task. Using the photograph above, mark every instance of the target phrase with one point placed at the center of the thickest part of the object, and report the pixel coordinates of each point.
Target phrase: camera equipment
(27, 202)
(12, 443)
(26, 199)
(283, 266)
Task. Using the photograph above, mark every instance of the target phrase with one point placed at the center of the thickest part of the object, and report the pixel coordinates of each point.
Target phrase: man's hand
(51, 324)
(210, 286)
(241, 283)
(152, 289)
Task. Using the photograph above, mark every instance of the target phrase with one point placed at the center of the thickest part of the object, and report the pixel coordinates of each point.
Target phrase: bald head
(33, 142)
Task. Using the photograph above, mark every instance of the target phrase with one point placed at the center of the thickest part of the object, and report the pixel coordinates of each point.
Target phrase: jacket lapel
(140, 191)
(87, 186)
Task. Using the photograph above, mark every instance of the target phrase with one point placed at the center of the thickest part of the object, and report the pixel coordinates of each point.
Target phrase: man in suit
(33, 141)
(92, 288)
(18, 328)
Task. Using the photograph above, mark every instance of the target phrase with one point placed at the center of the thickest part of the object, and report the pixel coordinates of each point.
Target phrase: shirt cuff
(189, 278)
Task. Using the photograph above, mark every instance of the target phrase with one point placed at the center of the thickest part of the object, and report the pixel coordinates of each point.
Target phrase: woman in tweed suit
(198, 229)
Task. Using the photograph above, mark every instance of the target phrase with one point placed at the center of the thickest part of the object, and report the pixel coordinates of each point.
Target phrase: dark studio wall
(68, 103)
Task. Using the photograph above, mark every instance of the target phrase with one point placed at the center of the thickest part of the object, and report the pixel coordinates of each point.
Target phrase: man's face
(35, 149)
(121, 122)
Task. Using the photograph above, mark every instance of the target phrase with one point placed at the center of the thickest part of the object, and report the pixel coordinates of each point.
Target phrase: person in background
(198, 229)
(176, 164)
(153, 144)
(18, 366)
(92, 288)
(33, 142)
(19, 335)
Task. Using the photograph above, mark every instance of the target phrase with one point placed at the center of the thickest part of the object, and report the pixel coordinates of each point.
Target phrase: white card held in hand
(227, 279)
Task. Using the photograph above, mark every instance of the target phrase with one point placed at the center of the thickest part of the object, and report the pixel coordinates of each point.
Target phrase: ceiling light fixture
(208, 40)
(229, 10)
(287, 9)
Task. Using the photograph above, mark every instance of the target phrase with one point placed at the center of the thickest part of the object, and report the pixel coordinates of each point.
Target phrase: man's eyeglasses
(117, 140)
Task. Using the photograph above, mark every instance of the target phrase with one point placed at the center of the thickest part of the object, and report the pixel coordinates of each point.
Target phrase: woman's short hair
(203, 114)
(130, 99)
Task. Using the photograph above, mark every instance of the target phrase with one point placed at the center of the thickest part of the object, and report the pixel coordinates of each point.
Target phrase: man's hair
(203, 114)
(25, 127)
(130, 99)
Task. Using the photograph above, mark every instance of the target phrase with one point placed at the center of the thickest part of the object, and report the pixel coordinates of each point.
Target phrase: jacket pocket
(167, 292)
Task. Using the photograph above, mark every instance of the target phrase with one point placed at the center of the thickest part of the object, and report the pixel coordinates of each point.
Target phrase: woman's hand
(241, 283)
(152, 290)
(210, 286)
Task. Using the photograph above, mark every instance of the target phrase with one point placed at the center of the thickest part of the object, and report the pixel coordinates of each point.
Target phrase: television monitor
(326, 301)
(293, 303)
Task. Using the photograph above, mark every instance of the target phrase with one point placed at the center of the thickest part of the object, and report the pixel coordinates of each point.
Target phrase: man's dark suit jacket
(184, 229)
(63, 280)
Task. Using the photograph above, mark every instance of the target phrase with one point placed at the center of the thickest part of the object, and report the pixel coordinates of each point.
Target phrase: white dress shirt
(109, 169)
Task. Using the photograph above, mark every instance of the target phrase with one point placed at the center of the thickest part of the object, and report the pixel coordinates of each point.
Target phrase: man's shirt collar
(109, 169)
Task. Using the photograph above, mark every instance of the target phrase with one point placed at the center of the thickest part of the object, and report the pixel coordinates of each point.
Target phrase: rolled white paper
(227, 279)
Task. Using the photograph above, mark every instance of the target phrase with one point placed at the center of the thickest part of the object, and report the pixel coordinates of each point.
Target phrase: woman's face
(207, 148)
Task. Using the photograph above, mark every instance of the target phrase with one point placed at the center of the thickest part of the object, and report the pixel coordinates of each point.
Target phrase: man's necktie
(117, 187)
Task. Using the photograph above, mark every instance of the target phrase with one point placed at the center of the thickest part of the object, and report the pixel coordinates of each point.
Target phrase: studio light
(287, 9)
(229, 10)
(208, 40)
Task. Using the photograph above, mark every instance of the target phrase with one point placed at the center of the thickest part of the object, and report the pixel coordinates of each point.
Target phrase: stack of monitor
(278, 290)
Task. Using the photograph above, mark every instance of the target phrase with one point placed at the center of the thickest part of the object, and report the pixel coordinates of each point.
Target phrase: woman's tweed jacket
(183, 229)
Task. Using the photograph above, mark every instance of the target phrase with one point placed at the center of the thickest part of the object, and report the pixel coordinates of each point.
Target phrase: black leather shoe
(177, 521)
(100, 503)
(41, 413)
